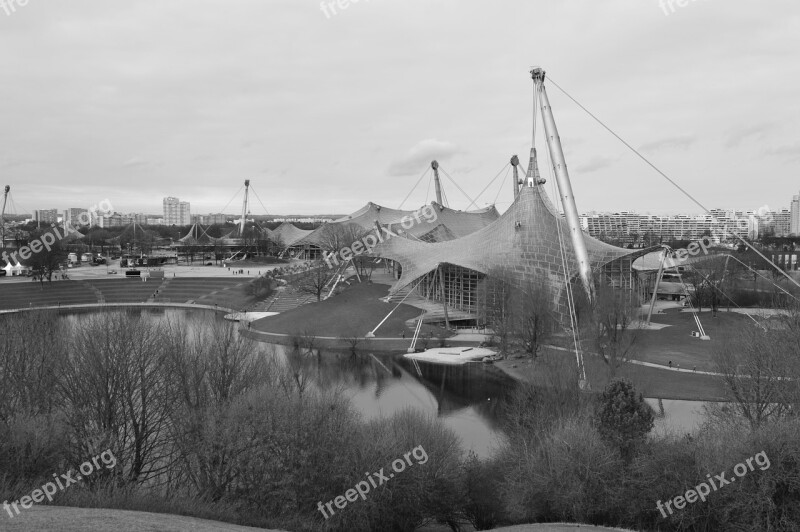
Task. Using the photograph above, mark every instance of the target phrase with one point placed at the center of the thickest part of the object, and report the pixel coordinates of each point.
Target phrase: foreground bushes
(200, 418)
(203, 423)
(571, 473)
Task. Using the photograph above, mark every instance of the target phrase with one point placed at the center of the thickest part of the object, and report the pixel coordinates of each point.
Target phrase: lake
(467, 398)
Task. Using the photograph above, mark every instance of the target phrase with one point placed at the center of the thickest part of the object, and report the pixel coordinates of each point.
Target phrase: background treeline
(204, 423)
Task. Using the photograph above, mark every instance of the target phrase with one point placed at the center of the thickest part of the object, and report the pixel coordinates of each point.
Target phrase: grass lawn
(64, 519)
(555, 366)
(355, 311)
(557, 527)
(675, 343)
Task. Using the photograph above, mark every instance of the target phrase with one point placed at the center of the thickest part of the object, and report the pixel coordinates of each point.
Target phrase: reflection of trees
(333, 369)
(454, 388)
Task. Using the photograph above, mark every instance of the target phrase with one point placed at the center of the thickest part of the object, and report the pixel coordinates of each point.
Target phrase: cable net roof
(524, 241)
(289, 234)
(431, 223)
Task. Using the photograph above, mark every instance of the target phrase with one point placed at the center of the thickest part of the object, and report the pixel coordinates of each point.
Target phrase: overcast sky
(136, 100)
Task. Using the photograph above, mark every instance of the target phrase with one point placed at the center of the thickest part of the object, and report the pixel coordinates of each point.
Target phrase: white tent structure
(17, 269)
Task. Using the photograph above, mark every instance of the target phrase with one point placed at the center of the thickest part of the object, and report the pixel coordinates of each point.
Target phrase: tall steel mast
(564, 186)
(244, 207)
(435, 166)
(516, 183)
(3, 218)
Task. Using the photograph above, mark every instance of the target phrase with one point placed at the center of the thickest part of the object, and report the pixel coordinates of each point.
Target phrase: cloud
(788, 152)
(596, 163)
(681, 143)
(421, 155)
(756, 132)
(134, 161)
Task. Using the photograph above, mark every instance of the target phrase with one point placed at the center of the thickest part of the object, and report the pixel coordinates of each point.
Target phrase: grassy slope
(356, 310)
(652, 382)
(675, 343)
(63, 519)
(672, 343)
(557, 527)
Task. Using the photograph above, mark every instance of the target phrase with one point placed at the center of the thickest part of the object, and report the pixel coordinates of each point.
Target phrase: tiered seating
(225, 292)
(287, 298)
(199, 290)
(23, 295)
(131, 290)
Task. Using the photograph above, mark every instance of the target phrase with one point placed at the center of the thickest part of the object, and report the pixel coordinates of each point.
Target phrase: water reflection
(680, 417)
(465, 398)
(468, 399)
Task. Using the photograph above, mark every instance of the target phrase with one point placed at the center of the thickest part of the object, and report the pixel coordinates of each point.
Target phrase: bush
(572, 475)
(31, 446)
(425, 492)
(483, 481)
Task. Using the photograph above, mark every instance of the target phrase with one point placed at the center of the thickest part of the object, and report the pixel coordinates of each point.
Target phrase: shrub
(571, 475)
(423, 493)
(483, 481)
(624, 418)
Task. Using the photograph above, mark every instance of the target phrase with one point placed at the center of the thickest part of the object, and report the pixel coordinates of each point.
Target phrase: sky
(327, 109)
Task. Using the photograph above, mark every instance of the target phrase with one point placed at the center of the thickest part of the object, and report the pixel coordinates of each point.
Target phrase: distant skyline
(137, 101)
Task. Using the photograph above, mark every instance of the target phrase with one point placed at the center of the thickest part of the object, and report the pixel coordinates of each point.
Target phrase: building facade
(48, 216)
(209, 219)
(177, 212)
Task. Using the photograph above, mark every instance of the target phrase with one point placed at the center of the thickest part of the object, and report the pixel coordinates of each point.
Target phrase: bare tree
(759, 368)
(209, 370)
(116, 390)
(496, 307)
(706, 277)
(364, 265)
(314, 280)
(535, 316)
(353, 338)
(614, 325)
(335, 237)
(31, 359)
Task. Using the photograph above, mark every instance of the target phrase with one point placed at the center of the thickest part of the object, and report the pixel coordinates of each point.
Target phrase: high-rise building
(209, 219)
(48, 216)
(176, 212)
(73, 216)
(783, 222)
(794, 220)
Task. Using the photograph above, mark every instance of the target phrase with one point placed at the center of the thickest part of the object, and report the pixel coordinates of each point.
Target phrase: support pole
(3, 217)
(655, 288)
(516, 183)
(437, 183)
(564, 186)
(244, 207)
(444, 299)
